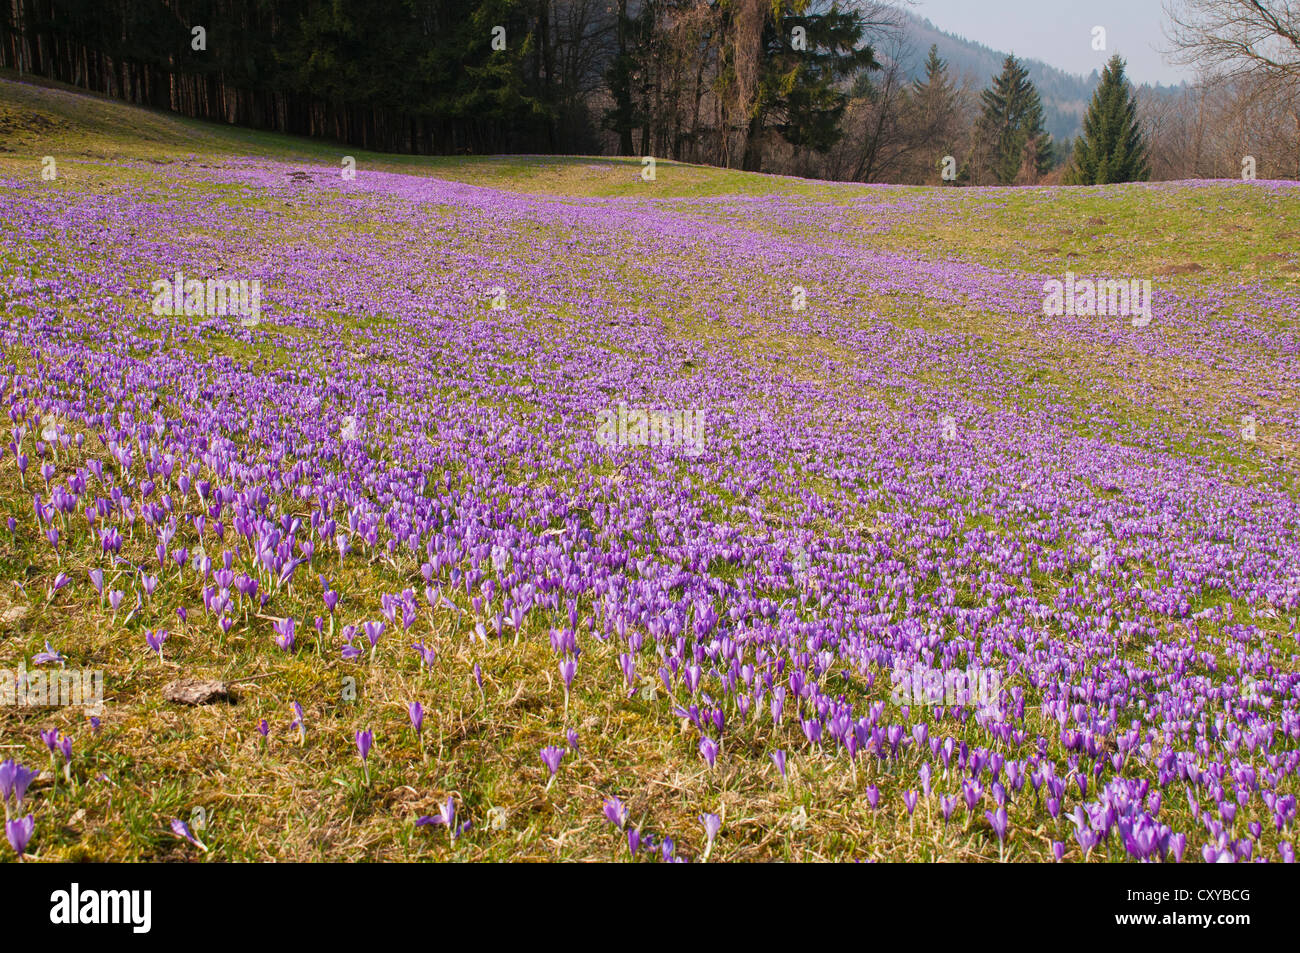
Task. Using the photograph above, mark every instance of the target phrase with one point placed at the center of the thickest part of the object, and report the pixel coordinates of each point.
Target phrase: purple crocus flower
(708, 750)
(365, 739)
(299, 722)
(351, 651)
(712, 824)
(182, 830)
(998, 821)
(155, 640)
(373, 631)
(416, 712)
(551, 757)
(778, 759)
(947, 804)
(330, 596)
(19, 832)
(14, 781)
(1087, 839)
(446, 816)
(284, 629)
(427, 654)
(49, 655)
(1178, 845)
(616, 811)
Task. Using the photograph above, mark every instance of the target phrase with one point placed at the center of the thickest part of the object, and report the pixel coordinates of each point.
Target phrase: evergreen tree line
(765, 85)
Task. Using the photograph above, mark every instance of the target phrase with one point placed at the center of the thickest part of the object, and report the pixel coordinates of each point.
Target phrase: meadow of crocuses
(942, 578)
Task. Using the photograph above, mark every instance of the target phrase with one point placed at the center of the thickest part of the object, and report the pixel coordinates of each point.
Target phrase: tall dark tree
(622, 119)
(1010, 135)
(1111, 148)
(932, 106)
(800, 92)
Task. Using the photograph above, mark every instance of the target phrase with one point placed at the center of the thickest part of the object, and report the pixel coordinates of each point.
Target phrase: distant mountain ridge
(1065, 95)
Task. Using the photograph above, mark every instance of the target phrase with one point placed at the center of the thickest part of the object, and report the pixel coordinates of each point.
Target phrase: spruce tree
(800, 91)
(933, 106)
(1111, 148)
(1010, 128)
(936, 78)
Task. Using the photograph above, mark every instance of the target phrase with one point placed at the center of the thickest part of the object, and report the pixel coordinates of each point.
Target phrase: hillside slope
(907, 569)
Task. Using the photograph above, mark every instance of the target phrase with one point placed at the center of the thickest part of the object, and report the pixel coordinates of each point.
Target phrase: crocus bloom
(947, 804)
(998, 821)
(416, 712)
(19, 832)
(616, 811)
(447, 816)
(364, 740)
(284, 637)
(49, 655)
(667, 849)
(182, 830)
(708, 750)
(551, 757)
(14, 781)
(427, 653)
(373, 631)
(778, 759)
(299, 722)
(712, 824)
(155, 640)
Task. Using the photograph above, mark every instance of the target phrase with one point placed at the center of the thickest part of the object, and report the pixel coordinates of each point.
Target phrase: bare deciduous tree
(1237, 37)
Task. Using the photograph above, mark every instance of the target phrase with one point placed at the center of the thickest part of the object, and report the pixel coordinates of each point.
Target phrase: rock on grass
(197, 691)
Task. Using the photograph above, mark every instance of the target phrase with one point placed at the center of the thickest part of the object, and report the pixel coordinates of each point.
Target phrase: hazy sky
(1059, 32)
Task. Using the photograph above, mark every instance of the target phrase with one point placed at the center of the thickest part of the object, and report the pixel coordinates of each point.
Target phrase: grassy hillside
(903, 465)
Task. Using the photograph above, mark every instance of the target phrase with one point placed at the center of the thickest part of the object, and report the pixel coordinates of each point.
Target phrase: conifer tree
(936, 86)
(934, 124)
(1112, 148)
(1010, 130)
